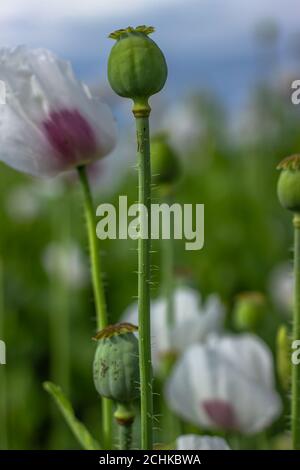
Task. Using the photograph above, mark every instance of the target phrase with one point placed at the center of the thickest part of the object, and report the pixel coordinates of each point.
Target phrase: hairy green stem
(98, 288)
(296, 336)
(94, 251)
(125, 436)
(3, 377)
(144, 248)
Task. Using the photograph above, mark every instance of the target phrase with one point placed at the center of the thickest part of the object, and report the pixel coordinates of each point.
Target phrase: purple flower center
(70, 135)
(221, 413)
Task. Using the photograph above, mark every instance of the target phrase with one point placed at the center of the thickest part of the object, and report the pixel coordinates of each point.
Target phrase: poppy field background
(229, 149)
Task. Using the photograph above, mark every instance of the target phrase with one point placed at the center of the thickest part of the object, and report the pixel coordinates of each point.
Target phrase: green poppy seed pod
(137, 68)
(116, 363)
(249, 310)
(283, 357)
(165, 165)
(288, 188)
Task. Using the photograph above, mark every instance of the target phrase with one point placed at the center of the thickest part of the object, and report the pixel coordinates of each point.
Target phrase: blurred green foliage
(247, 234)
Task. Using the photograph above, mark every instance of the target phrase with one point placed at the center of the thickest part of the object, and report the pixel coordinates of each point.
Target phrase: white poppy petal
(50, 122)
(192, 322)
(66, 263)
(195, 442)
(158, 328)
(226, 383)
(187, 304)
(207, 319)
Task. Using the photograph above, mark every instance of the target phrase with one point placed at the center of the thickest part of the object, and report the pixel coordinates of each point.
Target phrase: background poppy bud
(165, 165)
(137, 68)
(249, 310)
(283, 357)
(288, 188)
(116, 363)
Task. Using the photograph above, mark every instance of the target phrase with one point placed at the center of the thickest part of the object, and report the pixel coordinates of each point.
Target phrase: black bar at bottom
(134, 459)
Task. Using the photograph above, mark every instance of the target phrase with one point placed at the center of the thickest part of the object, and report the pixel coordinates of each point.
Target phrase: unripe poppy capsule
(250, 308)
(137, 68)
(165, 164)
(283, 362)
(288, 188)
(116, 363)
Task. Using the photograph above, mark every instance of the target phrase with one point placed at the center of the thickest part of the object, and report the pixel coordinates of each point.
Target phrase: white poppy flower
(50, 122)
(183, 124)
(226, 383)
(21, 204)
(195, 442)
(192, 321)
(281, 287)
(66, 263)
(24, 203)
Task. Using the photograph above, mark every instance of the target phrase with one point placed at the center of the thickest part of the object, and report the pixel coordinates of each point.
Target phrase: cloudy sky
(207, 43)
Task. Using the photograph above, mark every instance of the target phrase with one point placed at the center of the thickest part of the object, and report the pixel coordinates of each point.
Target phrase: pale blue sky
(207, 42)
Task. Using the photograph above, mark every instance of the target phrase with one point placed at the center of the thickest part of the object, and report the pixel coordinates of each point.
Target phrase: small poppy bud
(165, 164)
(249, 310)
(137, 68)
(288, 188)
(116, 363)
(283, 357)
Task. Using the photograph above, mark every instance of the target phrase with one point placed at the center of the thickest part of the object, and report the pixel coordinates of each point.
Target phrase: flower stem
(296, 336)
(98, 288)
(144, 247)
(125, 436)
(94, 251)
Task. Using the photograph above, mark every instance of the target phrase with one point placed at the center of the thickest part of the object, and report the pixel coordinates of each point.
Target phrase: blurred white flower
(192, 322)
(21, 204)
(226, 383)
(25, 202)
(65, 263)
(50, 122)
(111, 172)
(281, 287)
(183, 125)
(195, 442)
(49, 189)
